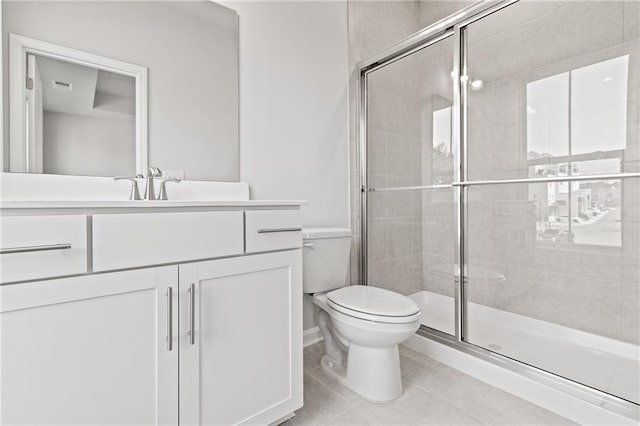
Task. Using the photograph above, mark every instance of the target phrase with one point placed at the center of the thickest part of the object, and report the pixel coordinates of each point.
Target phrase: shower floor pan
(600, 362)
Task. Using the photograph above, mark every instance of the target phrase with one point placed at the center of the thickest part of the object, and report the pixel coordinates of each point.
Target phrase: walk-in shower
(506, 140)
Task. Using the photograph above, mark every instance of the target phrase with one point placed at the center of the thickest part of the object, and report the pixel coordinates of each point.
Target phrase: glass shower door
(410, 215)
(552, 252)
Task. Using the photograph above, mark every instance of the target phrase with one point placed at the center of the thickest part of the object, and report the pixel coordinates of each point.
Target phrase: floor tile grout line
(331, 390)
(331, 421)
(463, 417)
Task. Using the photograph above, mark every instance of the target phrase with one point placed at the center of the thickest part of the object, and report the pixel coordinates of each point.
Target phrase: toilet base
(335, 370)
(373, 373)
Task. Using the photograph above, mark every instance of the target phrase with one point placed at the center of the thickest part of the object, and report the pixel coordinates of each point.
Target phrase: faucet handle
(163, 190)
(154, 172)
(149, 191)
(135, 194)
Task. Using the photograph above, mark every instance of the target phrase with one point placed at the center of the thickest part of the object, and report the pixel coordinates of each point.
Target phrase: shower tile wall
(431, 11)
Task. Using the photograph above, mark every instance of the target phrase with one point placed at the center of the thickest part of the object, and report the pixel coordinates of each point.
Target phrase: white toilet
(361, 325)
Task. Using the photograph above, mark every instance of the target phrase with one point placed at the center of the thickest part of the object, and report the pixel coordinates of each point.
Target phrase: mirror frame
(19, 46)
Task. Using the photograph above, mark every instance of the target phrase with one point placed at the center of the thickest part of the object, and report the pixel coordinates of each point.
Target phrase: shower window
(576, 125)
(576, 120)
(442, 149)
(594, 208)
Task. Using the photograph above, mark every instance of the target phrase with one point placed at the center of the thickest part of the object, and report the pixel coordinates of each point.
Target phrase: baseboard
(569, 406)
(311, 336)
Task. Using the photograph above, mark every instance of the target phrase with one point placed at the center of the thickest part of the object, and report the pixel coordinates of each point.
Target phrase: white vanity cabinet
(90, 350)
(169, 318)
(132, 240)
(241, 339)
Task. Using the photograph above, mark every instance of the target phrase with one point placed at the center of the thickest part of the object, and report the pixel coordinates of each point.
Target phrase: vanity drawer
(267, 230)
(42, 246)
(130, 240)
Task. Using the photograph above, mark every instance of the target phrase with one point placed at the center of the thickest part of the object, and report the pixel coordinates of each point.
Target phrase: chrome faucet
(135, 194)
(150, 192)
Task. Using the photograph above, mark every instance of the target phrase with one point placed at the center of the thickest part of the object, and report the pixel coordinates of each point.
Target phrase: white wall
(294, 107)
(88, 146)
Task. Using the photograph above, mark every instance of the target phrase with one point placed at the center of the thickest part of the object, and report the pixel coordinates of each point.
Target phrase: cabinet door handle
(192, 314)
(26, 249)
(170, 319)
(270, 230)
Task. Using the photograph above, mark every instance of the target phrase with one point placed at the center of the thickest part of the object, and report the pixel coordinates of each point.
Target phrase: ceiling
(94, 93)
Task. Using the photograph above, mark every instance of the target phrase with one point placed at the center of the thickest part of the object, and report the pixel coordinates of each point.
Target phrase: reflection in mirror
(81, 120)
(75, 113)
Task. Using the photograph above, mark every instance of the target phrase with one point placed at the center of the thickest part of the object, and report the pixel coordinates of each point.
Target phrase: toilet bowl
(361, 325)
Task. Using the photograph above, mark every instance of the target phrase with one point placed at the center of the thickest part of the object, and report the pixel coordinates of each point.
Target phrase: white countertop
(100, 204)
(23, 191)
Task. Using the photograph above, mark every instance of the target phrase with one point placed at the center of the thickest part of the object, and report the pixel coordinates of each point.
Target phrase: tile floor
(434, 394)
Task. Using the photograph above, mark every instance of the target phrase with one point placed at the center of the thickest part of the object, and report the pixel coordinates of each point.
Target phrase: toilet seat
(373, 304)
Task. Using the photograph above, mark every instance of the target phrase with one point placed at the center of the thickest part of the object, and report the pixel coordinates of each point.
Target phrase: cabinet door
(244, 364)
(90, 350)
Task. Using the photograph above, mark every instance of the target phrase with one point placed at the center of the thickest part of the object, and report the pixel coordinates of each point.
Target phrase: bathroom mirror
(158, 79)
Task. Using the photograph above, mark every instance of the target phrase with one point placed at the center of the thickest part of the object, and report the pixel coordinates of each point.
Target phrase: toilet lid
(373, 303)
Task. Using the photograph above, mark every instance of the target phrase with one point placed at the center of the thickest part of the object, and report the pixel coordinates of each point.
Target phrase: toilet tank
(325, 258)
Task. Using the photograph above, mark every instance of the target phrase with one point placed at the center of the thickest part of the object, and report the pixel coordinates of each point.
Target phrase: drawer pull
(270, 230)
(27, 249)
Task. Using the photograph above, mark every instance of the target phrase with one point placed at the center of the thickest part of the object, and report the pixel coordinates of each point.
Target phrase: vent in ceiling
(62, 85)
